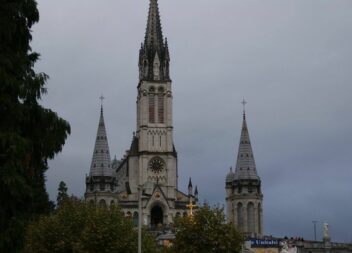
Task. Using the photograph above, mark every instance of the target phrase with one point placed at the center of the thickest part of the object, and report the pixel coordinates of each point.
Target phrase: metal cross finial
(101, 99)
(244, 102)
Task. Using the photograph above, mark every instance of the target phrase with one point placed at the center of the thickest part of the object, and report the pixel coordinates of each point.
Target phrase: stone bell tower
(243, 189)
(157, 155)
(151, 161)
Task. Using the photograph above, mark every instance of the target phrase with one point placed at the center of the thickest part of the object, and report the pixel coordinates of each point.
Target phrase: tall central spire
(154, 53)
(153, 34)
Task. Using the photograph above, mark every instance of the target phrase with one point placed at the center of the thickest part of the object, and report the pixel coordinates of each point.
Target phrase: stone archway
(156, 216)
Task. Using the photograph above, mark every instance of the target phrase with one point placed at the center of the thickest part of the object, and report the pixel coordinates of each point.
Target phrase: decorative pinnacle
(190, 183)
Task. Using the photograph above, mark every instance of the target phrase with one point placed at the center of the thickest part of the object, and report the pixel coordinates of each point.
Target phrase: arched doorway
(156, 216)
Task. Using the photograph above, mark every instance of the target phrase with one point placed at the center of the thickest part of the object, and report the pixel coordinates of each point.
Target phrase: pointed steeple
(101, 163)
(190, 187)
(153, 34)
(154, 55)
(245, 167)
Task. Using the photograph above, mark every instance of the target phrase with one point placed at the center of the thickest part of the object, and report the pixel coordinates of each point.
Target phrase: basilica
(150, 164)
(144, 182)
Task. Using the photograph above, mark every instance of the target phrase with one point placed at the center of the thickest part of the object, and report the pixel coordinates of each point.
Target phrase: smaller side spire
(101, 162)
(245, 166)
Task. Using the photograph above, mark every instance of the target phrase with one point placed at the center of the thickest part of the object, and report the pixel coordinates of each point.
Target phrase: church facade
(150, 164)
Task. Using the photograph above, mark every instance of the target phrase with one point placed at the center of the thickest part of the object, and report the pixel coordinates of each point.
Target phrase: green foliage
(61, 193)
(206, 232)
(29, 133)
(79, 227)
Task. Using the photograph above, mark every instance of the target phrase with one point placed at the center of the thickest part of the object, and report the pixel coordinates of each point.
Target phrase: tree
(79, 227)
(29, 133)
(206, 232)
(62, 193)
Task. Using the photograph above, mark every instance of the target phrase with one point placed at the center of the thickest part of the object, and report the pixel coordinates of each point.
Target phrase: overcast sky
(291, 60)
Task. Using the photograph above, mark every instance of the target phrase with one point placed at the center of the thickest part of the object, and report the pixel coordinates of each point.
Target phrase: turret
(243, 189)
(101, 163)
(190, 187)
(101, 178)
(245, 176)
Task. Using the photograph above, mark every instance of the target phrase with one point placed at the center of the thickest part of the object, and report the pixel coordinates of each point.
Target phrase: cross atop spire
(244, 102)
(101, 102)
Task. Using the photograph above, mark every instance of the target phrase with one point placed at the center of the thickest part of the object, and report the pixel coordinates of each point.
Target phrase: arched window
(250, 217)
(102, 203)
(129, 214)
(112, 203)
(240, 221)
(91, 202)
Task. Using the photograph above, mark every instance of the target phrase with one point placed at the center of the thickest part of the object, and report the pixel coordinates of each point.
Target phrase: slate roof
(154, 34)
(101, 162)
(245, 166)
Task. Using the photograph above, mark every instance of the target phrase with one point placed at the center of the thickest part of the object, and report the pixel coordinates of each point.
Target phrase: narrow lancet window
(161, 107)
(151, 108)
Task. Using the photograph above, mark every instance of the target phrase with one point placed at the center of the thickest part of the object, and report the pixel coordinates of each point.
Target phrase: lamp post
(315, 229)
(147, 187)
(140, 219)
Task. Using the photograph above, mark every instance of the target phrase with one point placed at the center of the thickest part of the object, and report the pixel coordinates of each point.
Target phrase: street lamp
(145, 190)
(315, 229)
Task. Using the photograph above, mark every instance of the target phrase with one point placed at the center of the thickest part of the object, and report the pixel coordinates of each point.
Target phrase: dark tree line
(29, 133)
